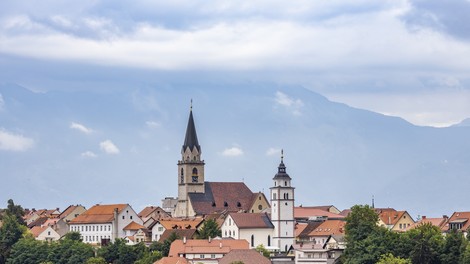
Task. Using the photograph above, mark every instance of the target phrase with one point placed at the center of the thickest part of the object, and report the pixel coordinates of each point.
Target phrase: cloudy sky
(406, 58)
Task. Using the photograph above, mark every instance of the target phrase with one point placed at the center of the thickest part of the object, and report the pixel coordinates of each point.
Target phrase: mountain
(334, 153)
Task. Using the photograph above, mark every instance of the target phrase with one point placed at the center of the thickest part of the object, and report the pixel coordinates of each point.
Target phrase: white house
(103, 223)
(159, 227)
(256, 228)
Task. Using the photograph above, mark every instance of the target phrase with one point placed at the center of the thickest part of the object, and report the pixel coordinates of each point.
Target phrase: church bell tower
(190, 169)
(282, 208)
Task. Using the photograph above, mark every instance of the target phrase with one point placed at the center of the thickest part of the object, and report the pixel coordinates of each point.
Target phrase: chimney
(184, 240)
(445, 217)
(115, 226)
(423, 217)
(220, 245)
(210, 239)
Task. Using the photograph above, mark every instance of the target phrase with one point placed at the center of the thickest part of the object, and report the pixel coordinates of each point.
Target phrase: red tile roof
(247, 256)
(460, 218)
(181, 233)
(134, 226)
(37, 230)
(68, 211)
(439, 222)
(98, 214)
(193, 246)
(181, 223)
(251, 220)
(172, 260)
(329, 227)
(307, 212)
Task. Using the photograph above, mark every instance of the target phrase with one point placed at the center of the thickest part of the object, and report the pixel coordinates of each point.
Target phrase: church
(197, 197)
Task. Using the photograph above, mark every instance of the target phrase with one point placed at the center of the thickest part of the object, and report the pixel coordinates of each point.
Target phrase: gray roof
(190, 139)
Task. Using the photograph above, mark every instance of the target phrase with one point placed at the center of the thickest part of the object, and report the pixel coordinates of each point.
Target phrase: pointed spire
(281, 170)
(190, 139)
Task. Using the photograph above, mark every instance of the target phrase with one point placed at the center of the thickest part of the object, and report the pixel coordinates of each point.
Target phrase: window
(182, 176)
(285, 183)
(48, 233)
(259, 198)
(269, 240)
(131, 216)
(194, 171)
(260, 207)
(123, 217)
(201, 256)
(213, 256)
(252, 240)
(160, 228)
(274, 196)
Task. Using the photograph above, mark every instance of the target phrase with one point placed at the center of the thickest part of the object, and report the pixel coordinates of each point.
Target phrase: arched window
(252, 240)
(269, 240)
(194, 171)
(285, 183)
(195, 177)
(287, 196)
(182, 175)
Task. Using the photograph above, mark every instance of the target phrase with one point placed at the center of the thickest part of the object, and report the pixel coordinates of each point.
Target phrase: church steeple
(190, 139)
(281, 170)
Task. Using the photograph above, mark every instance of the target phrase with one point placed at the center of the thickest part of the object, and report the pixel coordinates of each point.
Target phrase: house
(197, 197)
(313, 253)
(322, 232)
(180, 233)
(303, 214)
(33, 215)
(394, 220)
(172, 260)
(103, 223)
(45, 233)
(136, 233)
(304, 235)
(159, 227)
(440, 222)
(71, 212)
(256, 228)
(153, 212)
(458, 221)
(246, 256)
(205, 251)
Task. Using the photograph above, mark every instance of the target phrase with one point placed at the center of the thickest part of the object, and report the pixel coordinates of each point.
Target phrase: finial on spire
(373, 204)
(282, 155)
(191, 106)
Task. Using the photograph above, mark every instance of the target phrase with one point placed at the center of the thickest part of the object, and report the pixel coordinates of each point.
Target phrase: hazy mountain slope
(334, 153)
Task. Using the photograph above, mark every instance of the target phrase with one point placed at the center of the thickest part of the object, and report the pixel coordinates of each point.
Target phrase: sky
(404, 58)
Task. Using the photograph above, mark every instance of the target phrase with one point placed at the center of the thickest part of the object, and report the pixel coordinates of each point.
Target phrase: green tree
(10, 232)
(96, 260)
(73, 236)
(390, 259)
(466, 255)
(453, 248)
(210, 229)
(69, 251)
(15, 210)
(149, 257)
(426, 242)
(28, 251)
(261, 249)
(164, 247)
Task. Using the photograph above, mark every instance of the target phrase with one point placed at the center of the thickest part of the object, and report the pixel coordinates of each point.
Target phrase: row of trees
(368, 243)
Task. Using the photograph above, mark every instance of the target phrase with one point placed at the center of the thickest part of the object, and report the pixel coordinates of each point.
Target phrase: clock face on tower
(195, 179)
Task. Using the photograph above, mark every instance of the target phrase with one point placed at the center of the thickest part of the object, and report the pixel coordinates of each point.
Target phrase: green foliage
(120, 253)
(29, 251)
(210, 229)
(426, 242)
(164, 247)
(73, 236)
(96, 260)
(149, 257)
(10, 232)
(453, 248)
(70, 251)
(390, 259)
(465, 259)
(15, 210)
(263, 250)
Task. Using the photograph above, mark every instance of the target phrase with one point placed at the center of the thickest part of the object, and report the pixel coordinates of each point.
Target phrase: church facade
(198, 197)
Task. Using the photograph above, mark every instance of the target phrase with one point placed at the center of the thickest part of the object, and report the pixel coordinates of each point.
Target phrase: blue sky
(399, 58)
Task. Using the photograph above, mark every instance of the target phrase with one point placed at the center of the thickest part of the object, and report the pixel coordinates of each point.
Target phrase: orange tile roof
(98, 214)
(389, 215)
(306, 212)
(205, 247)
(172, 260)
(147, 211)
(459, 217)
(68, 211)
(37, 230)
(329, 227)
(251, 220)
(246, 256)
(181, 223)
(299, 227)
(439, 222)
(133, 226)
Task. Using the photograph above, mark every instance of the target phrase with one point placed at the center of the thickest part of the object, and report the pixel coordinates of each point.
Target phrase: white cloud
(109, 147)
(2, 102)
(14, 142)
(152, 124)
(89, 154)
(292, 104)
(81, 128)
(273, 151)
(232, 152)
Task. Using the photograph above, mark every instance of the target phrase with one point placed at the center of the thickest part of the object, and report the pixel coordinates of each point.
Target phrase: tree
(10, 232)
(96, 260)
(454, 247)
(390, 259)
(210, 229)
(466, 256)
(263, 250)
(73, 236)
(69, 251)
(15, 210)
(28, 251)
(425, 244)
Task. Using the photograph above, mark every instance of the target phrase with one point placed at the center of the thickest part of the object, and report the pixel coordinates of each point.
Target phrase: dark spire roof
(281, 170)
(191, 137)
